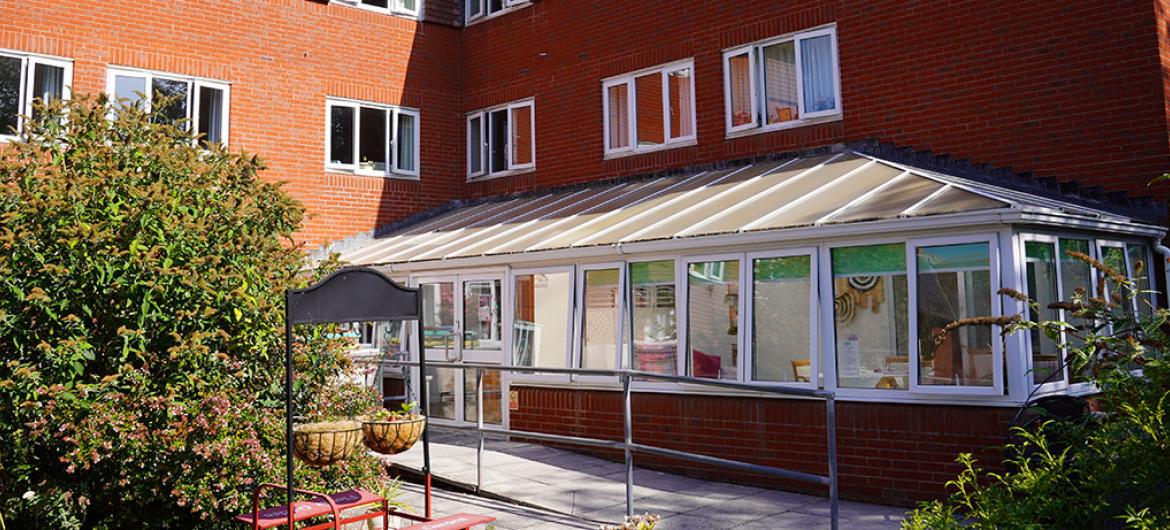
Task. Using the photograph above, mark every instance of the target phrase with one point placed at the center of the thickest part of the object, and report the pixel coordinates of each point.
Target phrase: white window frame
(28, 64)
(755, 67)
(484, 115)
(748, 269)
(579, 317)
(684, 297)
(483, 14)
(393, 7)
(392, 112)
(997, 346)
(664, 72)
(510, 319)
(194, 84)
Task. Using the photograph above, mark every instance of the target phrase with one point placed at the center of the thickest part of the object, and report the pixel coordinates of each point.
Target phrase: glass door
(462, 322)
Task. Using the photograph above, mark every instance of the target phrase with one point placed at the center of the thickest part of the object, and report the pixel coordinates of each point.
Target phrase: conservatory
(831, 270)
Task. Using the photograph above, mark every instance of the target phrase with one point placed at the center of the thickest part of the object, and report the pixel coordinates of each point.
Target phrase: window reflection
(713, 318)
(540, 328)
(954, 283)
(781, 326)
(870, 308)
(655, 330)
(481, 315)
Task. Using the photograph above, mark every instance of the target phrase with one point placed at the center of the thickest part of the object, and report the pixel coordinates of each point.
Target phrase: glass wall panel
(781, 325)
(481, 315)
(599, 318)
(1139, 272)
(1076, 282)
(780, 82)
(871, 316)
(438, 315)
(493, 394)
(540, 325)
(954, 283)
(441, 390)
(648, 102)
(713, 318)
(654, 317)
(1040, 258)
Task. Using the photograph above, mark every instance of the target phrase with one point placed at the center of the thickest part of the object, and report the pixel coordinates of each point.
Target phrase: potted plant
(392, 432)
(326, 443)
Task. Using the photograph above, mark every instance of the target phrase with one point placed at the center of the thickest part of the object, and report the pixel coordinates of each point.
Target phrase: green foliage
(141, 327)
(1108, 470)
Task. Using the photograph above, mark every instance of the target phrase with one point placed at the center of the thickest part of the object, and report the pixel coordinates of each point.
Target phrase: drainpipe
(1165, 253)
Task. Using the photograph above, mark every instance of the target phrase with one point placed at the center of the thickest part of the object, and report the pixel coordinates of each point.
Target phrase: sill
(689, 142)
(501, 174)
(784, 126)
(483, 18)
(373, 174)
(383, 11)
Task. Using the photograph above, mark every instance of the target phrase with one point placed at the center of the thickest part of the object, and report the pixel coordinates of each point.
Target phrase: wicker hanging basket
(390, 437)
(326, 443)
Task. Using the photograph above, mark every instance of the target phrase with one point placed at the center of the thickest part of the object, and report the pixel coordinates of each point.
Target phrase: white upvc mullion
(796, 46)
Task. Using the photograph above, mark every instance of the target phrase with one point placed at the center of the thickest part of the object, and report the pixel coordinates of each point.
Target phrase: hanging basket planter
(326, 443)
(392, 436)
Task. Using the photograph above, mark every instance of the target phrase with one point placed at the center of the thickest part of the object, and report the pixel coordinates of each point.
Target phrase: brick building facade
(1071, 96)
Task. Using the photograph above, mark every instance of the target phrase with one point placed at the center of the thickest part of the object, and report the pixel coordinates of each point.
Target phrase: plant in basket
(390, 432)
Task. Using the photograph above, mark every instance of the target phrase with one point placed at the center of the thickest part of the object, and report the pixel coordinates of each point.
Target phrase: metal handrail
(630, 447)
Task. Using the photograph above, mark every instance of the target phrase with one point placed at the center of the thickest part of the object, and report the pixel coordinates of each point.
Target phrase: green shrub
(141, 327)
(1108, 470)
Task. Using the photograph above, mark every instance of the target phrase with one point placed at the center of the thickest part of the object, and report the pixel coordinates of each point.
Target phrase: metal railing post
(479, 429)
(629, 421)
(831, 430)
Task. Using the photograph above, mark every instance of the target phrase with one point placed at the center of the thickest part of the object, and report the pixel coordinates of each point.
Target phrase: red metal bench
(321, 505)
(462, 521)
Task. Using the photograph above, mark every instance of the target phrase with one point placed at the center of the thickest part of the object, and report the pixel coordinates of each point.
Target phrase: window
(601, 306)
(713, 308)
(871, 316)
(649, 109)
(501, 139)
(783, 318)
(398, 7)
(654, 317)
(186, 101)
(25, 79)
(1043, 284)
(479, 9)
(481, 315)
(372, 139)
(542, 318)
(782, 82)
(953, 282)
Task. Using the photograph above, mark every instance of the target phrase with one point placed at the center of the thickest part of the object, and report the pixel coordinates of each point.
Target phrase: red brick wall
(894, 453)
(1071, 90)
(283, 57)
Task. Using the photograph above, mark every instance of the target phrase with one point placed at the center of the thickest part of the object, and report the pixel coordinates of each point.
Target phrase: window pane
(521, 136)
(1114, 258)
(170, 100)
(599, 319)
(619, 116)
(407, 148)
(493, 410)
(1043, 289)
(48, 83)
(407, 5)
(495, 5)
(781, 294)
(499, 140)
(655, 329)
(870, 312)
(341, 135)
(954, 283)
(713, 318)
(648, 102)
(9, 94)
(780, 83)
(438, 315)
(819, 77)
(481, 315)
(540, 327)
(441, 391)
(739, 74)
(211, 114)
(1140, 274)
(129, 88)
(682, 115)
(475, 145)
(1075, 277)
(372, 139)
(474, 8)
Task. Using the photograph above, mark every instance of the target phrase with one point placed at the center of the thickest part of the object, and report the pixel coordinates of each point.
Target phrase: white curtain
(819, 82)
(406, 149)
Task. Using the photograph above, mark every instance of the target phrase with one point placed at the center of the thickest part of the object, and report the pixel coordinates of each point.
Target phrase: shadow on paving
(585, 491)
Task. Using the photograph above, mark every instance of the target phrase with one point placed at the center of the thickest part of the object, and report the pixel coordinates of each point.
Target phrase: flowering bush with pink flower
(141, 327)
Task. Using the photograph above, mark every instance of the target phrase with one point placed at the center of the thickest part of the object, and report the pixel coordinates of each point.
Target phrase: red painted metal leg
(428, 494)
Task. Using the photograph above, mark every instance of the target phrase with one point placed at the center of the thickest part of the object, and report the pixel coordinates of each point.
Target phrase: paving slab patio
(536, 486)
